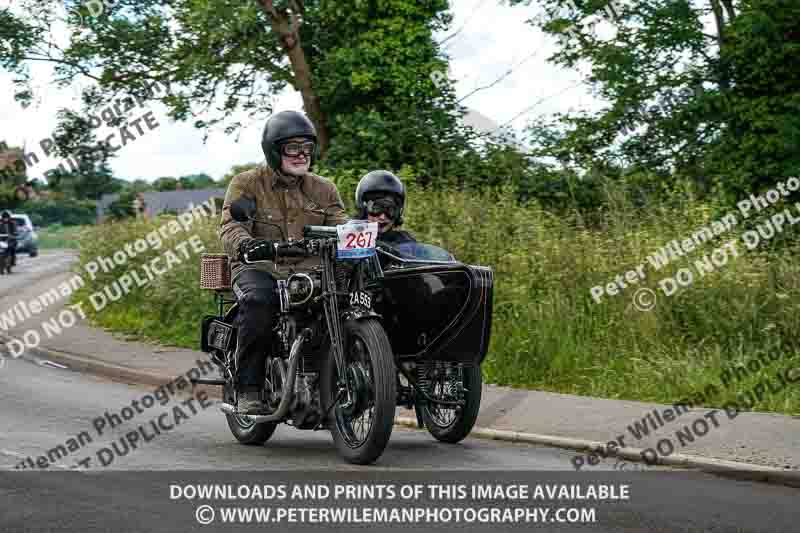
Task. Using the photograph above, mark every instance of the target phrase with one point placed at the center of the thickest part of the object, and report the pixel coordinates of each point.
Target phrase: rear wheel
(446, 423)
(362, 424)
(246, 431)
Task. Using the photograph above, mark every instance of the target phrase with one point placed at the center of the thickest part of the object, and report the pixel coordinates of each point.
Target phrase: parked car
(27, 240)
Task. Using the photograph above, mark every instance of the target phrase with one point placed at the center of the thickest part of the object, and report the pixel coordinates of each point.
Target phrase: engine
(305, 406)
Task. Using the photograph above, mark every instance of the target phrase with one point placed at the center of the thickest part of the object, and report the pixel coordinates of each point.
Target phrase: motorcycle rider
(381, 198)
(287, 195)
(8, 226)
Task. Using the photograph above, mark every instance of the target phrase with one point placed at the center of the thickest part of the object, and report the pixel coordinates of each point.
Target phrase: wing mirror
(243, 209)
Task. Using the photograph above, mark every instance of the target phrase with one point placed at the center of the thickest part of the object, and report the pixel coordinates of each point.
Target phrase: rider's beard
(295, 169)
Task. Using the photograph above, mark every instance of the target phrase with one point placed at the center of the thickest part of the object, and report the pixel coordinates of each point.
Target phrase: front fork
(334, 321)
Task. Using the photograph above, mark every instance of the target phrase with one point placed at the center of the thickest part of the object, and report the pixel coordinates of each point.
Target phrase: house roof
(179, 200)
(159, 201)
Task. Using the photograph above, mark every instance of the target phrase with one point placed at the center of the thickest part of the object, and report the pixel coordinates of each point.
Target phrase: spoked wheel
(246, 431)
(448, 381)
(362, 423)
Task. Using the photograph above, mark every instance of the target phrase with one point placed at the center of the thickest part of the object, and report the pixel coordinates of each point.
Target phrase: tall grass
(59, 236)
(548, 333)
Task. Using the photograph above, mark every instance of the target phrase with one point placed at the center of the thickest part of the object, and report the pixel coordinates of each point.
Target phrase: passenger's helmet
(280, 127)
(379, 184)
(5, 214)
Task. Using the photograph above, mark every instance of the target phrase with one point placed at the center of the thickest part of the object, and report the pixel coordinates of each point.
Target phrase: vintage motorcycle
(370, 328)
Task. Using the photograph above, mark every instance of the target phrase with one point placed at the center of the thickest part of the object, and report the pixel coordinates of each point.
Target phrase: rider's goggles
(294, 149)
(383, 205)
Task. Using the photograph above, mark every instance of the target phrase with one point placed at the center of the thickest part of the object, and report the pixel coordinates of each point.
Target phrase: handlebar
(319, 232)
(287, 249)
(291, 250)
(308, 246)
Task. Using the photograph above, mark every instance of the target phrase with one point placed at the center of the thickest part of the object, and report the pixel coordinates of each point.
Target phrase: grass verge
(549, 333)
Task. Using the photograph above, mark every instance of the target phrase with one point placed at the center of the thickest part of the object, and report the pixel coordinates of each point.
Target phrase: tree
(237, 169)
(197, 181)
(165, 183)
(85, 172)
(713, 106)
(366, 70)
(138, 185)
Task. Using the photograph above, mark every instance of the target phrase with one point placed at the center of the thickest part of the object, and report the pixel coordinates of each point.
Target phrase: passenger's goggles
(294, 149)
(383, 205)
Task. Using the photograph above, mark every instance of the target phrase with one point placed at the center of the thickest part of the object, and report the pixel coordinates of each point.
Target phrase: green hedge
(64, 212)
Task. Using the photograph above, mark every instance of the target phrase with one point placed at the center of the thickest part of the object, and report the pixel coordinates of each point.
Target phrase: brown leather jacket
(290, 206)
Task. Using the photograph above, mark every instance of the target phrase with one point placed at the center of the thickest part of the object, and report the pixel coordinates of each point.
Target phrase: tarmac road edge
(731, 469)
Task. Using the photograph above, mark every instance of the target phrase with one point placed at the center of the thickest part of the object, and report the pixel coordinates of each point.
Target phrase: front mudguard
(359, 313)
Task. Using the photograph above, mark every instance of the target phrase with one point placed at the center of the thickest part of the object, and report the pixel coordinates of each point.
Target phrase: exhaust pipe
(288, 389)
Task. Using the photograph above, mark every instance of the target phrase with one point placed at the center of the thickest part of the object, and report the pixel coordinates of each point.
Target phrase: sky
(491, 39)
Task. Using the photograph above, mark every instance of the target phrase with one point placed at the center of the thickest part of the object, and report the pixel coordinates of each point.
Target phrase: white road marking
(51, 363)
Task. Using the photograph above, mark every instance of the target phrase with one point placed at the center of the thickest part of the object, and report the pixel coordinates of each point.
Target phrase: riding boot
(250, 403)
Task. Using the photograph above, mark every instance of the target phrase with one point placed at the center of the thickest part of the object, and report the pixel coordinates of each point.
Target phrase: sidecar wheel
(361, 428)
(245, 431)
(452, 425)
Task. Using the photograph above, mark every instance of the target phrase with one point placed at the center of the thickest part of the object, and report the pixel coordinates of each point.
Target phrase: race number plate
(356, 239)
(361, 298)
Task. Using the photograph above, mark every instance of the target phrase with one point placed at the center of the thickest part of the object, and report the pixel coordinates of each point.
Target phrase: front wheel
(361, 424)
(452, 424)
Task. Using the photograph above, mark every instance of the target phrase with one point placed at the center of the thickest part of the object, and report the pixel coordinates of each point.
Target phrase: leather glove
(257, 250)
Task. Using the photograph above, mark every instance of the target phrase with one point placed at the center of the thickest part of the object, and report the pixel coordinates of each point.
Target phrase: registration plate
(356, 240)
(361, 298)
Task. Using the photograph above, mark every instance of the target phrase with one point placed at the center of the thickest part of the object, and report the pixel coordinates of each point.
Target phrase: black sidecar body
(435, 307)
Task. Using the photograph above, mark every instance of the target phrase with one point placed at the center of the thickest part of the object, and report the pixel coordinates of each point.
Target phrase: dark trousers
(257, 305)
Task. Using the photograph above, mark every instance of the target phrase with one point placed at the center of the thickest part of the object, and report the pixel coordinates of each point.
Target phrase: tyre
(452, 424)
(244, 430)
(33, 253)
(362, 426)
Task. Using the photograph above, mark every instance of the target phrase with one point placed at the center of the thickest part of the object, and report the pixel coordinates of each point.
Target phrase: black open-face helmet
(283, 126)
(376, 186)
(5, 214)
